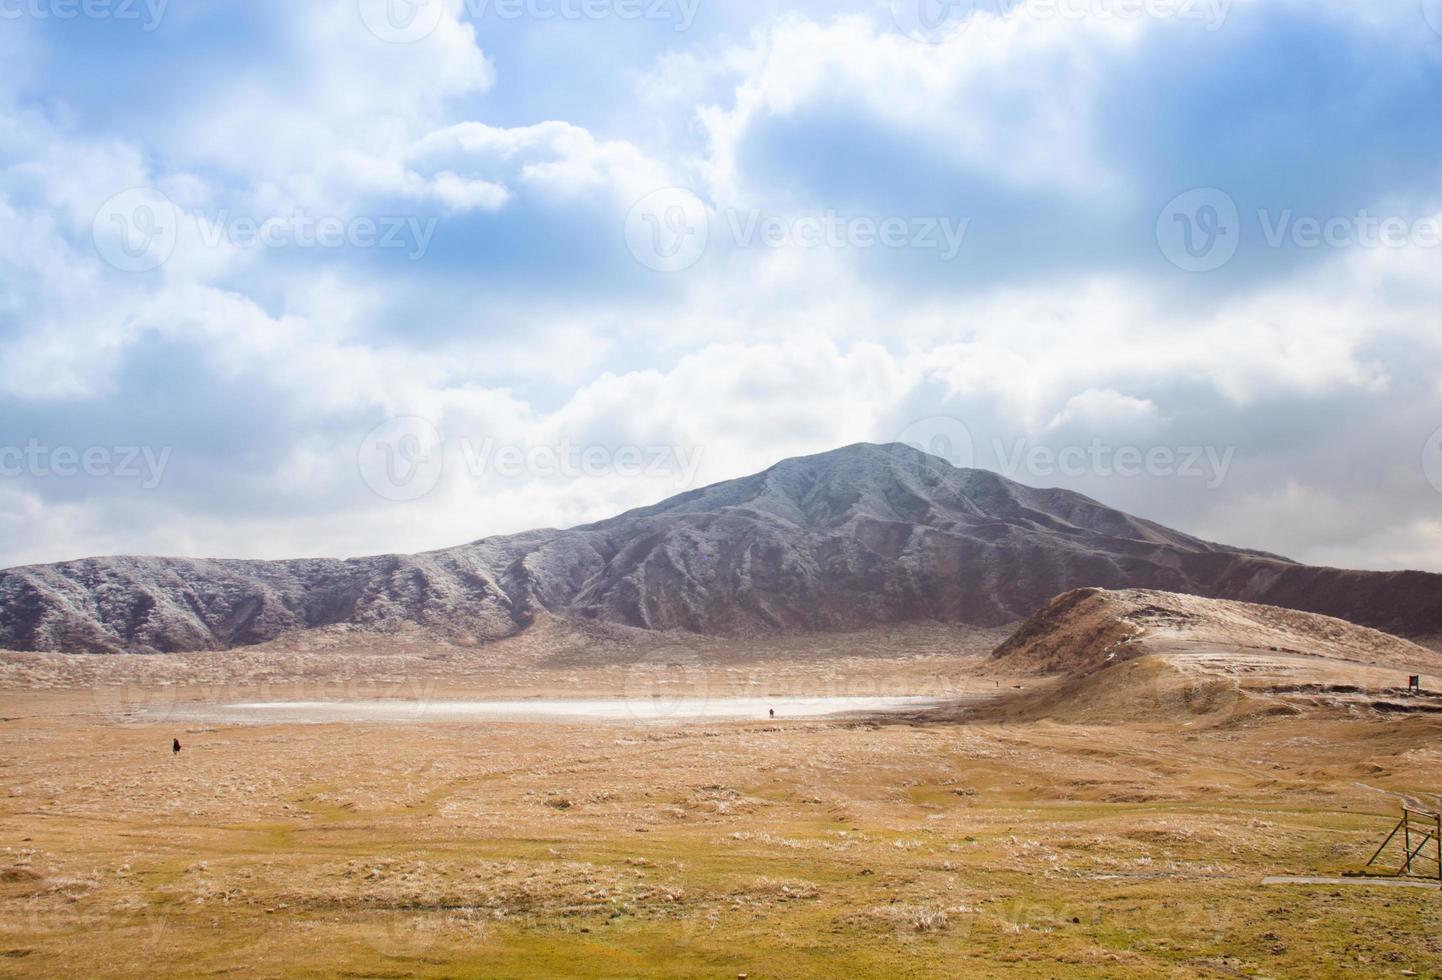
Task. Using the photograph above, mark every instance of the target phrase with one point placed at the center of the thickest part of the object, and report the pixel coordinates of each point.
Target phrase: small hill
(1143, 655)
(1086, 629)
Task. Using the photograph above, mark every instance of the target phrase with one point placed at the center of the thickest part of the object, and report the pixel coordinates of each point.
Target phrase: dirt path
(1382, 882)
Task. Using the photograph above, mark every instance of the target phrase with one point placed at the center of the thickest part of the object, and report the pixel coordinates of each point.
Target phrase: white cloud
(360, 104)
(1013, 96)
(1106, 408)
(457, 193)
(556, 158)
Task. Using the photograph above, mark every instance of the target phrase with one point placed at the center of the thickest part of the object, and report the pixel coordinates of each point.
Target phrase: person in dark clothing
(175, 746)
(773, 712)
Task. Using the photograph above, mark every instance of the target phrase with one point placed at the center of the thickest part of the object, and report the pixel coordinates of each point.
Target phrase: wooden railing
(1418, 828)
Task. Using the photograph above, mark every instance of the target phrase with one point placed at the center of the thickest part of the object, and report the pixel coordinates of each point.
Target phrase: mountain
(855, 537)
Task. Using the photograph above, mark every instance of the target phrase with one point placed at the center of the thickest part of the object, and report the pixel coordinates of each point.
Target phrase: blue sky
(309, 278)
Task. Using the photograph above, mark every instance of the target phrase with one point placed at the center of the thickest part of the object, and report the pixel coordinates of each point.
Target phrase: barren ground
(971, 846)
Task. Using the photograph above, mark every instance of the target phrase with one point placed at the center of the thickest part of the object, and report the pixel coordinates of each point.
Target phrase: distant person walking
(175, 746)
(773, 712)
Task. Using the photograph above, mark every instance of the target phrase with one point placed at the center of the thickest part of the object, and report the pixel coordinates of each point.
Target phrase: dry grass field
(963, 845)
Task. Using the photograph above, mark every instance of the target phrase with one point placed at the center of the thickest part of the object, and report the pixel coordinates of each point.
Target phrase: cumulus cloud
(1013, 98)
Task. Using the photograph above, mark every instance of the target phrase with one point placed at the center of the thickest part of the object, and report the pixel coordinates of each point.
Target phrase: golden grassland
(791, 849)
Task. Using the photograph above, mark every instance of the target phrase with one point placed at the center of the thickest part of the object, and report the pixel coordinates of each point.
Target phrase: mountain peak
(896, 460)
(893, 481)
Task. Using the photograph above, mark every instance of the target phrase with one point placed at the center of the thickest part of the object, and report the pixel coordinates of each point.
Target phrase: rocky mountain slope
(859, 536)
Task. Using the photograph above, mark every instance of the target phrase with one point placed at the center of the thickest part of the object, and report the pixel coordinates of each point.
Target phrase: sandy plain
(978, 841)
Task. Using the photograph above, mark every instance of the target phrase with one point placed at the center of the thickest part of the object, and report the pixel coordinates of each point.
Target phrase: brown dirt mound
(1144, 689)
(1147, 656)
(1082, 631)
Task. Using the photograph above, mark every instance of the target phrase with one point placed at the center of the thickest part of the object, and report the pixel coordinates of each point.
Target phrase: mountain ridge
(854, 537)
